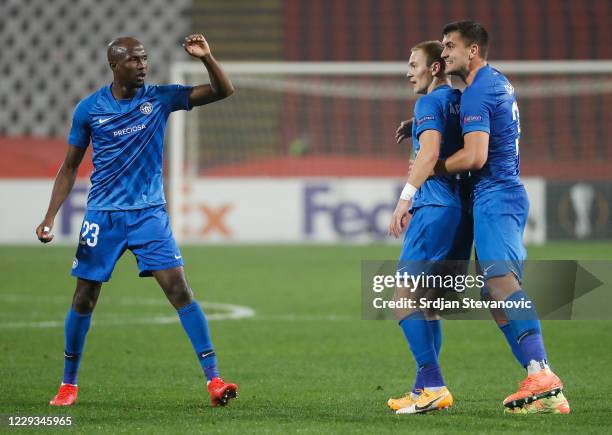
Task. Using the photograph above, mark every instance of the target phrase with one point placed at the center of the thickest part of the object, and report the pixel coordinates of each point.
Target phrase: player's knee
(84, 302)
(86, 296)
(499, 316)
(499, 294)
(404, 304)
(179, 294)
(432, 314)
(185, 296)
(501, 287)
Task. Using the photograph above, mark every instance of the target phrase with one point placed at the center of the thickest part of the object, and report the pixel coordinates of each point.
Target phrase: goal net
(338, 119)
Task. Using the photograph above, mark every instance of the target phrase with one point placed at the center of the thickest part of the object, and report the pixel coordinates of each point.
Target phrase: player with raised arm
(440, 228)
(491, 129)
(125, 122)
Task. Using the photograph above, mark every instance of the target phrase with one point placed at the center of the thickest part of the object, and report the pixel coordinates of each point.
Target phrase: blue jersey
(127, 137)
(489, 105)
(439, 110)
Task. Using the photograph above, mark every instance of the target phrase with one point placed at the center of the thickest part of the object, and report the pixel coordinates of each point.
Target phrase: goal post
(326, 114)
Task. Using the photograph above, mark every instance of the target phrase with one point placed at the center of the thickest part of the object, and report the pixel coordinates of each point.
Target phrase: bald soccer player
(125, 121)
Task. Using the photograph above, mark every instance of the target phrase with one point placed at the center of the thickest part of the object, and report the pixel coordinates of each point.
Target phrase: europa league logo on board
(583, 211)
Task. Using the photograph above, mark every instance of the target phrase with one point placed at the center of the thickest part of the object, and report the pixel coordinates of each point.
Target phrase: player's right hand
(399, 220)
(43, 231)
(404, 130)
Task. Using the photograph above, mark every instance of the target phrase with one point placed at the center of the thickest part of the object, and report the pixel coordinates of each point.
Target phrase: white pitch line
(306, 317)
(240, 313)
(13, 298)
(229, 312)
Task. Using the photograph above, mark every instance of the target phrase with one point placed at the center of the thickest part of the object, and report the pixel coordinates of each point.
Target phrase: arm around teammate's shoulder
(476, 144)
(471, 157)
(475, 115)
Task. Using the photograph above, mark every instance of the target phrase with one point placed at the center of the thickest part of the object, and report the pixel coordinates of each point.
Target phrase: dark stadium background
(53, 55)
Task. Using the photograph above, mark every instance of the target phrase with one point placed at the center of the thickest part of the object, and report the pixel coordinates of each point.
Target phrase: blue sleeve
(80, 131)
(475, 112)
(428, 116)
(174, 97)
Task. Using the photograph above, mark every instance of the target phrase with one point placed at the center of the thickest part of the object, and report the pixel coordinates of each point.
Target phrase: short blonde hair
(432, 50)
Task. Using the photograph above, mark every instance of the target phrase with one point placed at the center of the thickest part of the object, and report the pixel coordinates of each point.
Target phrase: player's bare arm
(419, 172)
(61, 188)
(472, 156)
(220, 86)
(404, 130)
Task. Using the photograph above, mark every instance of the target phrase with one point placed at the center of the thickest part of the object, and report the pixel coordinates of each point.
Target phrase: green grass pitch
(305, 361)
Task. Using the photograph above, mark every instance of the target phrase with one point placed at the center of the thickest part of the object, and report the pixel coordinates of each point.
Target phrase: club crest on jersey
(146, 108)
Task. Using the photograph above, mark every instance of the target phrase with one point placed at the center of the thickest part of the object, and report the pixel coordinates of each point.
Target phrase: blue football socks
(75, 331)
(506, 329)
(420, 339)
(436, 331)
(195, 325)
(526, 328)
(532, 346)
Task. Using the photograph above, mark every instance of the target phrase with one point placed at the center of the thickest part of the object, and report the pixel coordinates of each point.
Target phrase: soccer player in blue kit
(441, 226)
(126, 122)
(491, 129)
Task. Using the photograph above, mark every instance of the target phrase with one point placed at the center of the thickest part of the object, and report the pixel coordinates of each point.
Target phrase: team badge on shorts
(146, 108)
(75, 263)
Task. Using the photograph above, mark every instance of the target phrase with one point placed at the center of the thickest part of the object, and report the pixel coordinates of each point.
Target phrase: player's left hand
(196, 46)
(400, 218)
(404, 130)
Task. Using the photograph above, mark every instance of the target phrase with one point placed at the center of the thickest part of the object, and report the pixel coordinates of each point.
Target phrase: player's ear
(436, 67)
(474, 51)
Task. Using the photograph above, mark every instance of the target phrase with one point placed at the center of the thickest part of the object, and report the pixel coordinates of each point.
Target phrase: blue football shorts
(105, 235)
(437, 238)
(499, 223)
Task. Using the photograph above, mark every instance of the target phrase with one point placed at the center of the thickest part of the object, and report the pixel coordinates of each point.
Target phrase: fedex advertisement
(310, 210)
(250, 210)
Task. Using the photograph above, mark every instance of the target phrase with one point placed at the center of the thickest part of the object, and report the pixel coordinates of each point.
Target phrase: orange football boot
(537, 386)
(549, 405)
(66, 396)
(220, 392)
